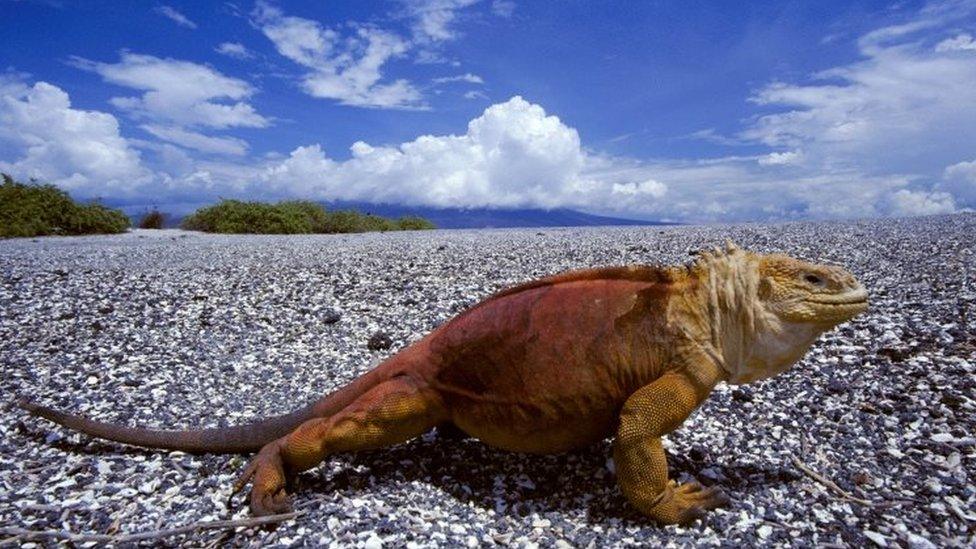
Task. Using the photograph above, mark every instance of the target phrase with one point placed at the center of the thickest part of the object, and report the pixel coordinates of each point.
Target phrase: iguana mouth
(855, 297)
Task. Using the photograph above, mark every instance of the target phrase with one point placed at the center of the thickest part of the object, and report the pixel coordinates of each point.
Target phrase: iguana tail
(221, 440)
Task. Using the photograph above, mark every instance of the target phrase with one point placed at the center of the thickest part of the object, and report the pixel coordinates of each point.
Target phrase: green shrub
(375, 223)
(291, 217)
(344, 221)
(38, 210)
(313, 214)
(153, 220)
(414, 223)
(235, 216)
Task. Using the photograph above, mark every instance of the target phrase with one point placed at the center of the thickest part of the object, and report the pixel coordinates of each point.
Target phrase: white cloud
(347, 69)
(712, 136)
(53, 142)
(906, 202)
(174, 15)
(513, 155)
(475, 94)
(741, 189)
(198, 141)
(888, 134)
(180, 92)
(649, 188)
(234, 49)
(901, 113)
(961, 42)
(960, 181)
(467, 77)
(902, 109)
(433, 18)
(503, 8)
(781, 158)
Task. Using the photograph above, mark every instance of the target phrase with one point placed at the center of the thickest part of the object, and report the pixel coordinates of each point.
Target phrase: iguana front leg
(642, 468)
(392, 412)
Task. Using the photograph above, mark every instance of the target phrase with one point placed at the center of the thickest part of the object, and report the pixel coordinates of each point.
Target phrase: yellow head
(796, 301)
(807, 293)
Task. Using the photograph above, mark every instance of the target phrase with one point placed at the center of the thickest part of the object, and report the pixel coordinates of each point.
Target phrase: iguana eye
(813, 279)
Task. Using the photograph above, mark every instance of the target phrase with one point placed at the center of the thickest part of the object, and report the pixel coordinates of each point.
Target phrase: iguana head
(765, 311)
(796, 302)
(798, 292)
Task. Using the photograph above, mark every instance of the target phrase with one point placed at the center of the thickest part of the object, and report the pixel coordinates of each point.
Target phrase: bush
(38, 210)
(153, 220)
(235, 216)
(414, 223)
(291, 217)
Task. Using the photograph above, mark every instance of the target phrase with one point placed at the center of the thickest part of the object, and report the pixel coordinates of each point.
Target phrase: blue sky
(661, 110)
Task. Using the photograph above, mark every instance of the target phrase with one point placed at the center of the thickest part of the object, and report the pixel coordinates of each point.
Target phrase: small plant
(153, 220)
(32, 209)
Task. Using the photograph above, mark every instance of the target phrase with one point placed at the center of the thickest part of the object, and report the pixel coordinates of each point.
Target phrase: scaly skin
(555, 365)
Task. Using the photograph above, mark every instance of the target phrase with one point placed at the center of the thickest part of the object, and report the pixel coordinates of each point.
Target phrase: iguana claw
(268, 494)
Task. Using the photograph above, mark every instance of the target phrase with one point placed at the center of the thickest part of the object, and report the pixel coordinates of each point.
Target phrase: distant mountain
(482, 218)
(444, 218)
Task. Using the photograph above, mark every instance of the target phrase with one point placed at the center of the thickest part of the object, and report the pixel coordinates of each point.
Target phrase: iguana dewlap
(554, 365)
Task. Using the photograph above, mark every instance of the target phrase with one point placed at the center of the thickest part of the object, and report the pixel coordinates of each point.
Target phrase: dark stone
(742, 395)
(837, 385)
(379, 341)
(894, 354)
(331, 316)
(712, 474)
(786, 475)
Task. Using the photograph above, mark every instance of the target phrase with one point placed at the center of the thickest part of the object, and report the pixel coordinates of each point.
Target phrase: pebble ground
(177, 329)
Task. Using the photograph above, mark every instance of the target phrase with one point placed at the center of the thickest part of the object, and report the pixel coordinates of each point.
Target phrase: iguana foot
(687, 502)
(267, 470)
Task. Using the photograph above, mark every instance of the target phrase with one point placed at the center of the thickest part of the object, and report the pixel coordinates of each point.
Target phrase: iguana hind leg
(642, 468)
(392, 412)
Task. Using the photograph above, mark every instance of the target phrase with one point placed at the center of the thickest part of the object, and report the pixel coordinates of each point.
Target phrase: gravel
(178, 329)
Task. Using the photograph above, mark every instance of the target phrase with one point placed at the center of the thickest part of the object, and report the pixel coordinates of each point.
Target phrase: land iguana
(554, 365)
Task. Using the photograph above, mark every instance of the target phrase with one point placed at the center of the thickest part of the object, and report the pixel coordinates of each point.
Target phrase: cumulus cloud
(174, 15)
(49, 140)
(177, 91)
(234, 49)
(888, 134)
(906, 202)
(513, 155)
(960, 181)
